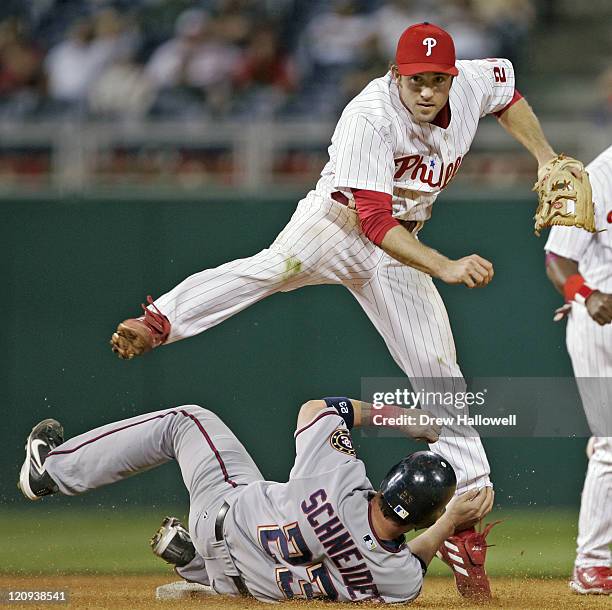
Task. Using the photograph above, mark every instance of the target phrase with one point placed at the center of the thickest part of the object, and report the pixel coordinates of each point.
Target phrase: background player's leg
(595, 523)
(407, 310)
(321, 244)
(588, 345)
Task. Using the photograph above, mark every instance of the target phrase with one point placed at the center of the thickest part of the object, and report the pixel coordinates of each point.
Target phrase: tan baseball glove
(563, 198)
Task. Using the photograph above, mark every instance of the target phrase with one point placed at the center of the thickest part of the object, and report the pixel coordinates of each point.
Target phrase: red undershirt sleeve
(375, 213)
(515, 98)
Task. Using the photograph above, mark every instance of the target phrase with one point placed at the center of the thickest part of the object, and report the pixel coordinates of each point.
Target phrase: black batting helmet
(419, 487)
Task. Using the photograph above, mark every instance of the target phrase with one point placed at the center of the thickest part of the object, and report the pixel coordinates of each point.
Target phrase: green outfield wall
(72, 269)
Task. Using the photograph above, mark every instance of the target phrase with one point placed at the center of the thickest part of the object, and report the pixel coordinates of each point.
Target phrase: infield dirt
(138, 592)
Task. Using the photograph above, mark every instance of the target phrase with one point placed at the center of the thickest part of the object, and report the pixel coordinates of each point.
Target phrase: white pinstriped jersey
(592, 251)
(378, 146)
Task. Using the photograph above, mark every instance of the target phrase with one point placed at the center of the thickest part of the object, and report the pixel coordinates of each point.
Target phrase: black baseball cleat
(172, 543)
(34, 481)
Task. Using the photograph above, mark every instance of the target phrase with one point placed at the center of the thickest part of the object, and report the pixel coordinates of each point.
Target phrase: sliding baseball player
(326, 532)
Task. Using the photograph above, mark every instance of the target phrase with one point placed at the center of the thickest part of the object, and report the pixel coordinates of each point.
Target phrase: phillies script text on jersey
(425, 172)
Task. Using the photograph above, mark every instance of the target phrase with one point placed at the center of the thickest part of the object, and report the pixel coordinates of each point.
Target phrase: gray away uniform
(309, 537)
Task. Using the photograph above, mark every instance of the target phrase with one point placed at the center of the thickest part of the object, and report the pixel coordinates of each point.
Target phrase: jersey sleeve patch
(341, 441)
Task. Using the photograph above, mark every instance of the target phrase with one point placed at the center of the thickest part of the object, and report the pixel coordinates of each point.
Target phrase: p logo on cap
(429, 43)
(425, 47)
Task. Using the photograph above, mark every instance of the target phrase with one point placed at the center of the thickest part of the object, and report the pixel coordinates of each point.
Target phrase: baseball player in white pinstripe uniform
(397, 145)
(579, 264)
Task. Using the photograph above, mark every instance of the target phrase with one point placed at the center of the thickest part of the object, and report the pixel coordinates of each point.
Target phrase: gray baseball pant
(213, 462)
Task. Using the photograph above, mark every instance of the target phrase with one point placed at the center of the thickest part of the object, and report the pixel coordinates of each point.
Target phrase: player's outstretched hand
(467, 509)
(473, 271)
(599, 306)
(424, 429)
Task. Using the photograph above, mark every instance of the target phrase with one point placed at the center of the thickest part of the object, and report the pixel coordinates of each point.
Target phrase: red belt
(340, 197)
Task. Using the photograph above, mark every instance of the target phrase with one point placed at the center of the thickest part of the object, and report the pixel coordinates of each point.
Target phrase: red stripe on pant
(144, 421)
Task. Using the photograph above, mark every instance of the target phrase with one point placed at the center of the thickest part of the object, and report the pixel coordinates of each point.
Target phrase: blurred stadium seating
(169, 96)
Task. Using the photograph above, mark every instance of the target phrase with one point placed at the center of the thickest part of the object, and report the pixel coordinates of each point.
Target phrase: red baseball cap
(425, 47)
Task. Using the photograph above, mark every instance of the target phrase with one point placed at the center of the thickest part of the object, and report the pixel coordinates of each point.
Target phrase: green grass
(79, 540)
(535, 543)
(39, 540)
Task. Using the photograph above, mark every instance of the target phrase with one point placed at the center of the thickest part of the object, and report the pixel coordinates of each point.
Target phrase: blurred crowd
(174, 59)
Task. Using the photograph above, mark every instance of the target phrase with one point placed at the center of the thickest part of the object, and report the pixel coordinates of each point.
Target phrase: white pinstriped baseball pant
(323, 244)
(590, 348)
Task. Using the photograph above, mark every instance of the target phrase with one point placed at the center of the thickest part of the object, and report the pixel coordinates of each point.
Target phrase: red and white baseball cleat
(136, 336)
(465, 554)
(594, 580)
